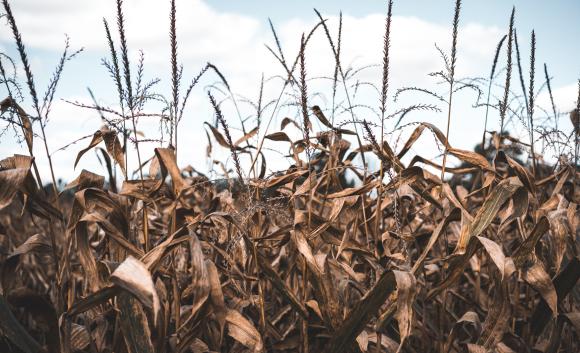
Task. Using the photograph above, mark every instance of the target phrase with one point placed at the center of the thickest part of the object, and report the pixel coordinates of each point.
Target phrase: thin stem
(384, 96)
(131, 106)
(117, 77)
(493, 67)
(520, 71)
(174, 71)
(549, 85)
(504, 104)
(451, 82)
(576, 131)
(531, 99)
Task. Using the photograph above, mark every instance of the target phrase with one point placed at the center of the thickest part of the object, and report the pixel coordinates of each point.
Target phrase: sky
(232, 35)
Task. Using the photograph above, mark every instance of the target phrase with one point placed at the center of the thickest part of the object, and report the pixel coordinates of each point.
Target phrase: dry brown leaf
(475, 348)
(199, 274)
(134, 325)
(559, 231)
(38, 243)
(471, 158)
(535, 275)
(216, 295)
(411, 140)
(155, 255)
(498, 316)
(278, 136)
(488, 211)
(523, 174)
(243, 331)
(11, 181)
(320, 116)
(287, 121)
(133, 276)
(219, 137)
(406, 289)
(504, 264)
(24, 120)
(354, 191)
(321, 280)
(564, 282)
(361, 313)
(524, 251)
(113, 146)
(97, 138)
(86, 180)
(247, 136)
(285, 179)
(454, 215)
(166, 157)
(281, 286)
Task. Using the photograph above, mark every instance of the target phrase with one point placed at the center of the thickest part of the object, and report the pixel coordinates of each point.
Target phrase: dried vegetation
(302, 260)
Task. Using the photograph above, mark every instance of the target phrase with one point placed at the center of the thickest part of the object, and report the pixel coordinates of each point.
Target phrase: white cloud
(147, 24)
(564, 98)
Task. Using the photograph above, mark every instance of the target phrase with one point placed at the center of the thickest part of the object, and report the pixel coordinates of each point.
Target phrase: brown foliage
(298, 261)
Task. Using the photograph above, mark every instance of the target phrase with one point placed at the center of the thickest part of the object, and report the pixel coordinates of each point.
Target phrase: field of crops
(330, 255)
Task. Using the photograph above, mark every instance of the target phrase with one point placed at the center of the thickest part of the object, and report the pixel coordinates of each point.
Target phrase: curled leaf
(133, 276)
(243, 331)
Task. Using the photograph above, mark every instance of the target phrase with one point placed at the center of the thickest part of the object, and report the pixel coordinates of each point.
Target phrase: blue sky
(231, 35)
(555, 22)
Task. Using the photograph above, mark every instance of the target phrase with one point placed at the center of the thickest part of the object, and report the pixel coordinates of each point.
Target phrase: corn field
(329, 255)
